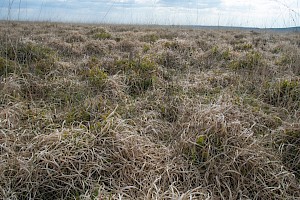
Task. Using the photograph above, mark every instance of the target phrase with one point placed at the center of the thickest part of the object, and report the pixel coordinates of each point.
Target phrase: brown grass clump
(287, 141)
(230, 160)
(133, 112)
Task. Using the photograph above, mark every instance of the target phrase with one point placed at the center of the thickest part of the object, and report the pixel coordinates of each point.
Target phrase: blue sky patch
(254, 13)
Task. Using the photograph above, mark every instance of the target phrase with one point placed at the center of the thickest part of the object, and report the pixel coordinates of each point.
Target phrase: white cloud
(262, 13)
(254, 13)
(146, 1)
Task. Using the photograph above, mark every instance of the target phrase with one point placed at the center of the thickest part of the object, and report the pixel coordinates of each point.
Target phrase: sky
(244, 13)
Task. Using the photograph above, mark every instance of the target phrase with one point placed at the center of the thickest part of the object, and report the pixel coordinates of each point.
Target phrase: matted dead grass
(133, 112)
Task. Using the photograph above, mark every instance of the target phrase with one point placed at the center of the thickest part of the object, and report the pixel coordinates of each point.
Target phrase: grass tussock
(129, 112)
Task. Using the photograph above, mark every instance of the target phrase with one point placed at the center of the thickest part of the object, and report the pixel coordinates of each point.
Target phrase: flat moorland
(139, 112)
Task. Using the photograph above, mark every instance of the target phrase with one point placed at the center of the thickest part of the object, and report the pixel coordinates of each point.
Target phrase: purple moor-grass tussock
(148, 112)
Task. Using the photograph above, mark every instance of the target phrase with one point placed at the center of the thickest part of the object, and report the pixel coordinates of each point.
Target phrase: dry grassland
(131, 112)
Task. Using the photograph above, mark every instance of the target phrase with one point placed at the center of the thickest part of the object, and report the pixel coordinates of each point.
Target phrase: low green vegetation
(146, 48)
(151, 38)
(30, 57)
(285, 93)
(250, 61)
(243, 46)
(96, 77)
(140, 74)
(6, 66)
(26, 53)
(100, 34)
(288, 140)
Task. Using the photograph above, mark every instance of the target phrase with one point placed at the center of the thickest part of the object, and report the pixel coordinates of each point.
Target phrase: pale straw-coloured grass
(148, 113)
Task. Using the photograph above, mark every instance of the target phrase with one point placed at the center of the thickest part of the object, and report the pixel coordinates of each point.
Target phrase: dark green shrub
(117, 39)
(226, 55)
(94, 74)
(214, 57)
(283, 60)
(289, 144)
(205, 147)
(32, 58)
(243, 47)
(102, 36)
(78, 115)
(27, 53)
(75, 38)
(170, 59)
(140, 74)
(169, 111)
(146, 48)
(96, 77)
(285, 93)
(151, 38)
(204, 45)
(291, 60)
(171, 45)
(251, 61)
(96, 30)
(6, 66)
(276, 50)
(44, 66)
(138, 85)
(239, 36)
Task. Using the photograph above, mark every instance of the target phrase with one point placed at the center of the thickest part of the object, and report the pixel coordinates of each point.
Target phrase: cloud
(257, 13)
(261, 13)
(190, 3)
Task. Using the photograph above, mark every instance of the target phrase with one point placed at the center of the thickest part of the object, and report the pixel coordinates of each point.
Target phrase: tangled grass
(122, 112)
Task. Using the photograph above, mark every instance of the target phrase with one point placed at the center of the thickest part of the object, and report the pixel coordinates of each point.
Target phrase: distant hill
(288, 29)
